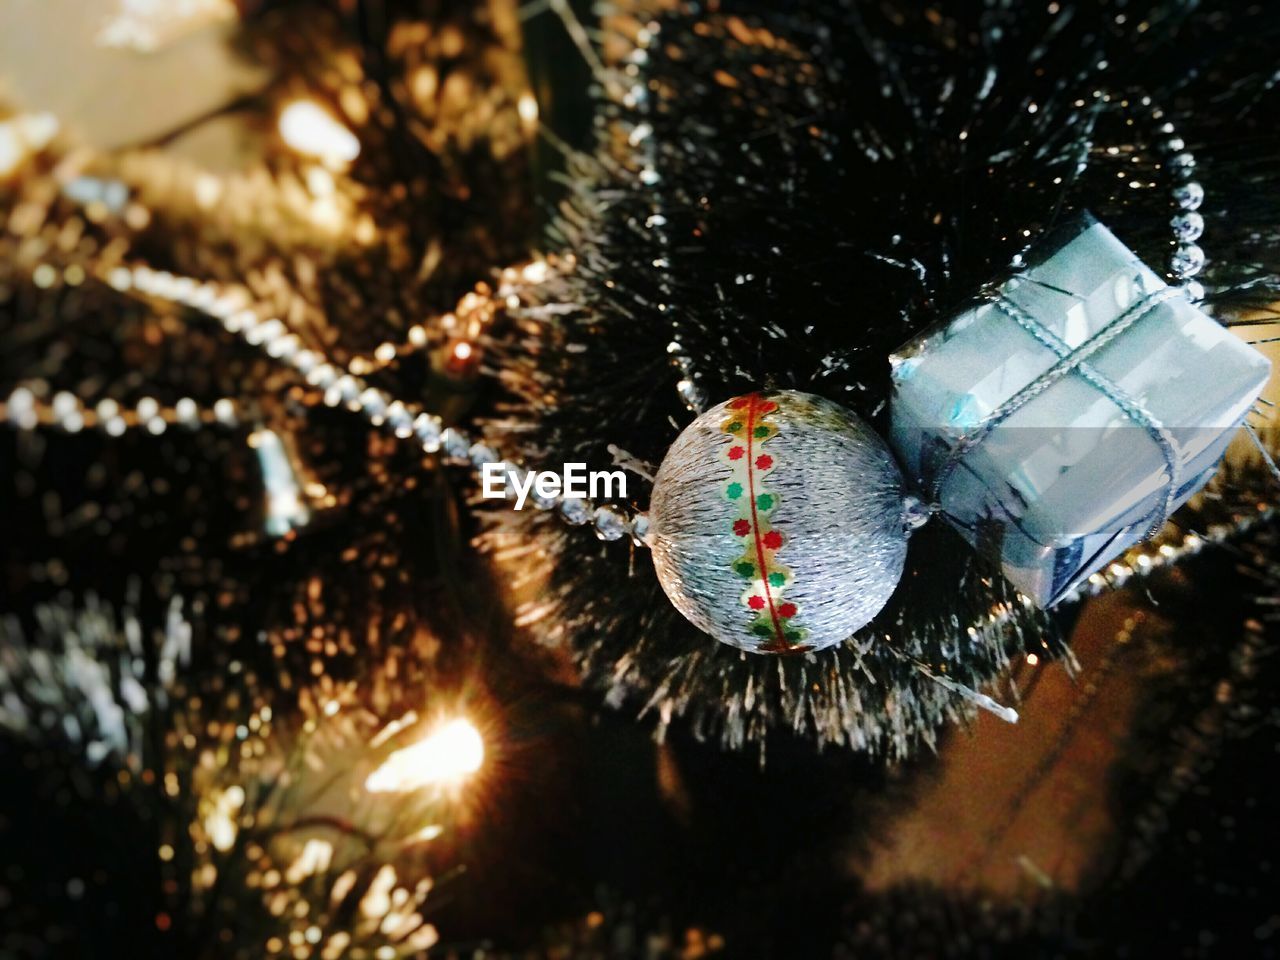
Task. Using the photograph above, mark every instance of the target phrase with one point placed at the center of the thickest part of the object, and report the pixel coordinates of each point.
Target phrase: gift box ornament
(1066, 415)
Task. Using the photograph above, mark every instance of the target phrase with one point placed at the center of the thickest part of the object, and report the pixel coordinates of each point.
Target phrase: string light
(445, 757)
(307, 128)
(527, 107)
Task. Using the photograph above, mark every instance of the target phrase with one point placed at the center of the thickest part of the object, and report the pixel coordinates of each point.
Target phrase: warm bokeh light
(307, 128)
(527, 107)
(147, 25)
(220, 813)
(23, 135)
(448, 755)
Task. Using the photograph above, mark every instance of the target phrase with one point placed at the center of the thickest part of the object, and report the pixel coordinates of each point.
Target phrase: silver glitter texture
(839, 509)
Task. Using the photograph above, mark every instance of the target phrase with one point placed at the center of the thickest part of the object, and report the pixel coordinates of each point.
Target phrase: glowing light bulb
(449, 755)
(307, 128)
(527, 107)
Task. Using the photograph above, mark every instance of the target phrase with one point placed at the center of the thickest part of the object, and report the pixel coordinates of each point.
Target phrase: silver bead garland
(29, 407)
(230, 305)
(1186, 196)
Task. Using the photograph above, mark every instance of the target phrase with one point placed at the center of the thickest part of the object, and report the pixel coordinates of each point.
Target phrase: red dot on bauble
(773, 539)
(755, 602)
(741, 528)
(735, 453)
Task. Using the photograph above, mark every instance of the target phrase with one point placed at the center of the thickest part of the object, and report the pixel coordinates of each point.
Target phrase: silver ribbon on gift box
(1065, 416)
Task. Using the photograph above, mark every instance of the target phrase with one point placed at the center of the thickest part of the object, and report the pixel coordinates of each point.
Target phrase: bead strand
(1185, 197)
(465, 324)
(27, 408)
(640, 138)
(231, 306)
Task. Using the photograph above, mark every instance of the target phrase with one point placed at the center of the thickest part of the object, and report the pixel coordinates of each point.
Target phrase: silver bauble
(778, 522)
